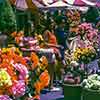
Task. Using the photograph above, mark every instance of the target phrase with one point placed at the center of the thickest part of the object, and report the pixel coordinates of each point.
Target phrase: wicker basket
(88, 94)
(72, 92)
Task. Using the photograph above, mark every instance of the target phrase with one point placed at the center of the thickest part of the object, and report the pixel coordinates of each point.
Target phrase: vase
(89, 94)
(72, 92)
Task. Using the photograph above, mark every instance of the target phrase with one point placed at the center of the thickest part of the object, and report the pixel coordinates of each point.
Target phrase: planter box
(88, 94)
(72, 92)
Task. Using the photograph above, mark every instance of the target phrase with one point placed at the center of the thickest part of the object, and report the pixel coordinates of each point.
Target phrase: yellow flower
(5, 79)
(43, 63)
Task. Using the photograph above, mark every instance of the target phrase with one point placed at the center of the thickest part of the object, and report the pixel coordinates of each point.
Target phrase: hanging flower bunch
(86, 31)
(39, 77)
(84, 55)
(73, 17)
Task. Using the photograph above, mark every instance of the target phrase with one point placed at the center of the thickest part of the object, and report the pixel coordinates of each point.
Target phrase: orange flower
(14, 34)
(10, 69)
(43, 82)
(35, 60)
(19, 59)
(37, 86)
(44, 78)
(20, 34)
(1, 92)
(17, 39)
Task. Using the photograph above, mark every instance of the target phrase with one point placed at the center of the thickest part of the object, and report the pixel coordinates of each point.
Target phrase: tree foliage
(7, 17)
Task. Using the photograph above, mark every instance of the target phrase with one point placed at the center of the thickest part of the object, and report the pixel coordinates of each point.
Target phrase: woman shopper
(51, 43)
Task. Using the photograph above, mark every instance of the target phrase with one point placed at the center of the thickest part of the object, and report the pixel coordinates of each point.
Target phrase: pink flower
(22, 69)
(86, 31)
(5, 97)
(19, 88)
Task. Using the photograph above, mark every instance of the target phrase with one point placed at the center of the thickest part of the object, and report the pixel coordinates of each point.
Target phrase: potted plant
(75, 74)
(91, 87)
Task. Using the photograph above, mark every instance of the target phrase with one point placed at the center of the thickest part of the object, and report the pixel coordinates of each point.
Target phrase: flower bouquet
(75, 73)
(86, 31)
(20, 80)
(91, 87)
(38, 76)
(13, 74)
(84, 55)
(73, 17)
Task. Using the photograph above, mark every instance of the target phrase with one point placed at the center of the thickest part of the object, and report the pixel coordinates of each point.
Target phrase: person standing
(61, 39)
(51, 44)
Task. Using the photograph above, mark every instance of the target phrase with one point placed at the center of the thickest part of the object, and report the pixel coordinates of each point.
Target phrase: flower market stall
(56, 46)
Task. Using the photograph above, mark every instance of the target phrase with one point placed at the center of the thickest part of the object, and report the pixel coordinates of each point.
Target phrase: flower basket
(72, 92)
(89, 94)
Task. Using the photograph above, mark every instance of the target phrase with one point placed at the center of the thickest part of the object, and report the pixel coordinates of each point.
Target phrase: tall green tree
(7, 17)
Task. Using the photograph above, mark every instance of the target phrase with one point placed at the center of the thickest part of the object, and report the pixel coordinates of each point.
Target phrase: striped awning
(21, 4)
(70, 2)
